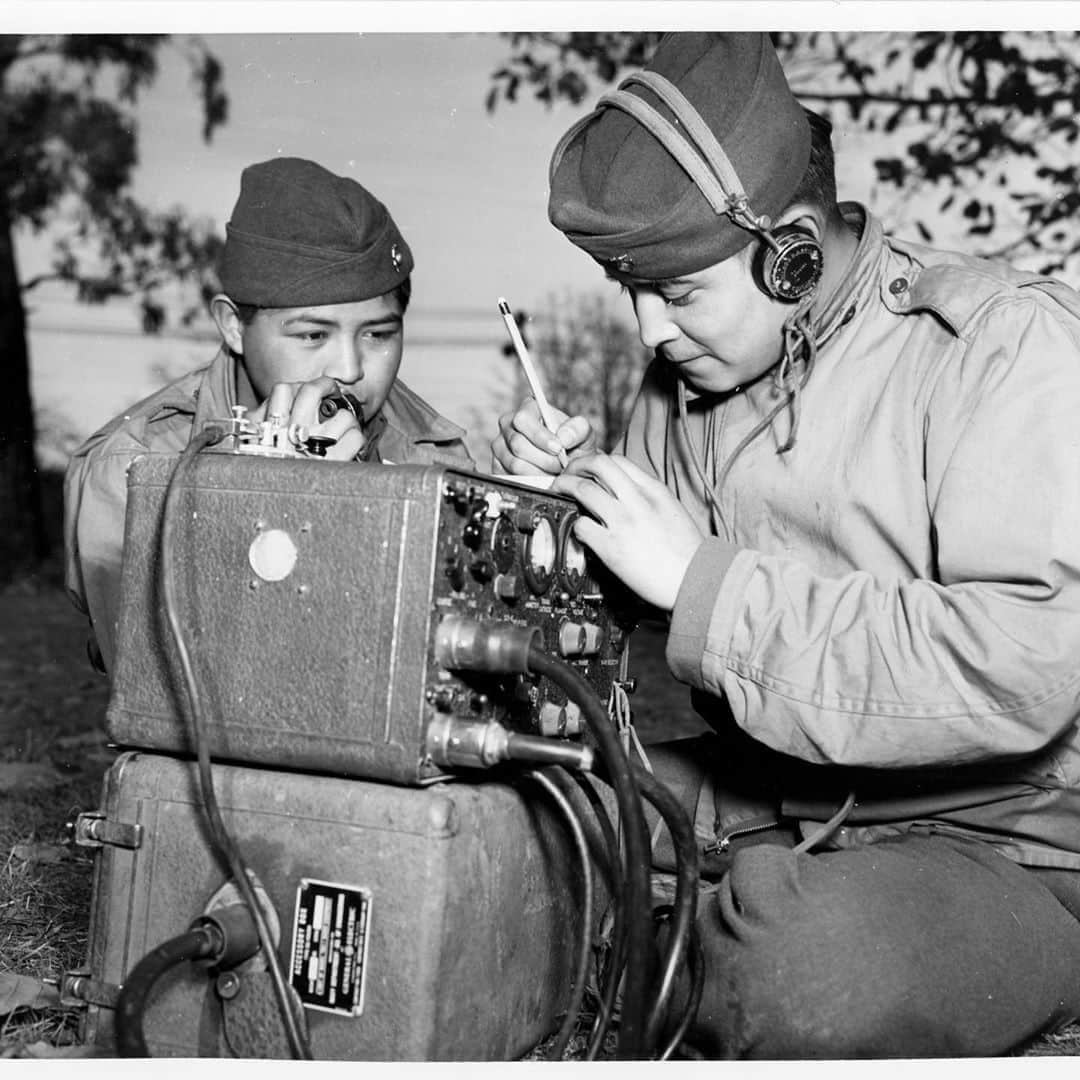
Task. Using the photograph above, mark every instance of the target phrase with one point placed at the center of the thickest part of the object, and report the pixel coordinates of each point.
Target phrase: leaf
(42, 853)
(22, 991)
(24, 775)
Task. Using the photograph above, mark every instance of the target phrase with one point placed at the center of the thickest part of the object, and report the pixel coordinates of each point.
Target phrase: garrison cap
(299, 235)
(618, 190)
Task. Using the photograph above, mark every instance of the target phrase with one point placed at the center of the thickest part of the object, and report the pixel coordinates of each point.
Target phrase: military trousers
(922, 945)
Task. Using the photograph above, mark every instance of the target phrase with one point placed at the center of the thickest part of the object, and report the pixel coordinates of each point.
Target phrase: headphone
(790, 262)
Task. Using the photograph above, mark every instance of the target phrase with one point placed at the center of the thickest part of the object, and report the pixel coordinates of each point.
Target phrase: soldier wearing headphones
(852, 479)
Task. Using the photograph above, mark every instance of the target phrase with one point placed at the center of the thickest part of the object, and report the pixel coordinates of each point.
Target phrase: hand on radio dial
(525, 447)
(636, 527)
(298, 403)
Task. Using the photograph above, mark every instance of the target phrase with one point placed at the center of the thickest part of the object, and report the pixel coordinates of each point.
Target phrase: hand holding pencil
(551, 421)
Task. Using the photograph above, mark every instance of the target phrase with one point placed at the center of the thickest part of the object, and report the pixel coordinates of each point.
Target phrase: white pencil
(542, 403)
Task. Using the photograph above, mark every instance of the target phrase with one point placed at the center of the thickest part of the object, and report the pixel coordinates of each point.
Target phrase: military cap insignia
(623, 263)
(395, 256)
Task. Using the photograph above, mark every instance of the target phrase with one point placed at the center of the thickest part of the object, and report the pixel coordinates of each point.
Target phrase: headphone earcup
(793, 268)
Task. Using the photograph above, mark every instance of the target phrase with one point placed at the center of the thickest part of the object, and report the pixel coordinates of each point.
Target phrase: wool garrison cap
(617, 189)
(299, 235)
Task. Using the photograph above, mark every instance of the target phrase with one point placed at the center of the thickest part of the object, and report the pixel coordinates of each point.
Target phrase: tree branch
(40, 279)
(917, 102)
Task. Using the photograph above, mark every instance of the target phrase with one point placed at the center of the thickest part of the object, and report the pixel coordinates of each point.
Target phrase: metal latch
(78, 989)
(93, 829)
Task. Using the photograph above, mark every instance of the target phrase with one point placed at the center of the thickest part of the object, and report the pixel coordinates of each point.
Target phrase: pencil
(533, 379)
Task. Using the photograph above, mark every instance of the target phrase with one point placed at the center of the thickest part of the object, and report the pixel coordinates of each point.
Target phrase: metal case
(311, 593)
(467, 896)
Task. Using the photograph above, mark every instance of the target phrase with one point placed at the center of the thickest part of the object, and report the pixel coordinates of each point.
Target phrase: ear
(224, 313)
(805, 217)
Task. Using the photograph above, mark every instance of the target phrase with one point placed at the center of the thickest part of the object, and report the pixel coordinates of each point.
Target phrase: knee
(791, 972)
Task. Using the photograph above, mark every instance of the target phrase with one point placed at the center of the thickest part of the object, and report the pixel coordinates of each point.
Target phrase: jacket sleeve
(95, 501)
(980, 663)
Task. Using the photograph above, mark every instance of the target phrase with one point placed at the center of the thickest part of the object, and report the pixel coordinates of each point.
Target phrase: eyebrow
(317, 320)
(649, 283)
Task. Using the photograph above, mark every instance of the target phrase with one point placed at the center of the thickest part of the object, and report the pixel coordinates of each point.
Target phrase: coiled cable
(581, 970)
(640, 951)
(227, 847)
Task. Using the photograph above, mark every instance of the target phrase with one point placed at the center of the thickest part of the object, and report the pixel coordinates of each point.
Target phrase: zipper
(722, 843)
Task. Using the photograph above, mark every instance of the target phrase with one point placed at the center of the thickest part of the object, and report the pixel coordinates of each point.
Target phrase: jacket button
(898, 285)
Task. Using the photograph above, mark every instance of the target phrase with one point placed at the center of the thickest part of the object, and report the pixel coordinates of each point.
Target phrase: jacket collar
(215, 393)
(852, 290)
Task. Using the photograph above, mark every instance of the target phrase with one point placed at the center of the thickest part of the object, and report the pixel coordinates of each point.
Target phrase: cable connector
(463, 644)
(232, 930)
(473, 744)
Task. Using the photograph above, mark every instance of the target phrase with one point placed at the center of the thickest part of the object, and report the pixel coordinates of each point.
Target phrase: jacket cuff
(692, 614)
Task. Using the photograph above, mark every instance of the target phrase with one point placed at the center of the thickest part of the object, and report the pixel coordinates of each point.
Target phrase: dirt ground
(53, 754)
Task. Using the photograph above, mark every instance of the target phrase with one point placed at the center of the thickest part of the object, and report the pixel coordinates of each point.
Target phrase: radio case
(464, 899)
(310, 594)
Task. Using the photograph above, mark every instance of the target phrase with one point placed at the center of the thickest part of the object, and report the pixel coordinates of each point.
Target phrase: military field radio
(327, 606)
(363, 638)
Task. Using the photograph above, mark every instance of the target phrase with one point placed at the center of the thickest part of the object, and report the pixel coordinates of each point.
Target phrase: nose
(347, 365)
(655, 327)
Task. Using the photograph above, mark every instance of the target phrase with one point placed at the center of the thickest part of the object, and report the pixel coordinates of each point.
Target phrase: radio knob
(571, 639)
(572, 719)
(594, 639)
(473, 533)
(560, 721)
(507, 587)
(442, 698)
(551, 719)
(481, 570)
(526, 520)
(455, 573)
(580, 639)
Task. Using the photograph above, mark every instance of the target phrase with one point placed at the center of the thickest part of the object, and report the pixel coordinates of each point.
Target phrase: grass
(43, 912)
(52, 758)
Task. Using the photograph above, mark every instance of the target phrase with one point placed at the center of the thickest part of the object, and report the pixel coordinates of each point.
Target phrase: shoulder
(964, 291)
(417, 432)
(161, 421)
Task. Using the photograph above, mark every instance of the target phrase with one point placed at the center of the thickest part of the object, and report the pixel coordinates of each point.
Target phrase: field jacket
(95, 485)
(892, 607)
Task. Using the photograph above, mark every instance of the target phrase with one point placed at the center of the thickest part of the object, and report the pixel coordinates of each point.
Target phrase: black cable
(581, 970)
(696, 958)
(609, 976)
(639, 943)
(293, 1028)
(686, 882)
(196, 944)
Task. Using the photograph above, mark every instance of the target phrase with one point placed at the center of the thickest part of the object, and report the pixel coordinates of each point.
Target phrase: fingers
(606, 471)
(611, 489)
(633, 524)
(594, 499)
(305, 403)
(525, 445)
(298, 403)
